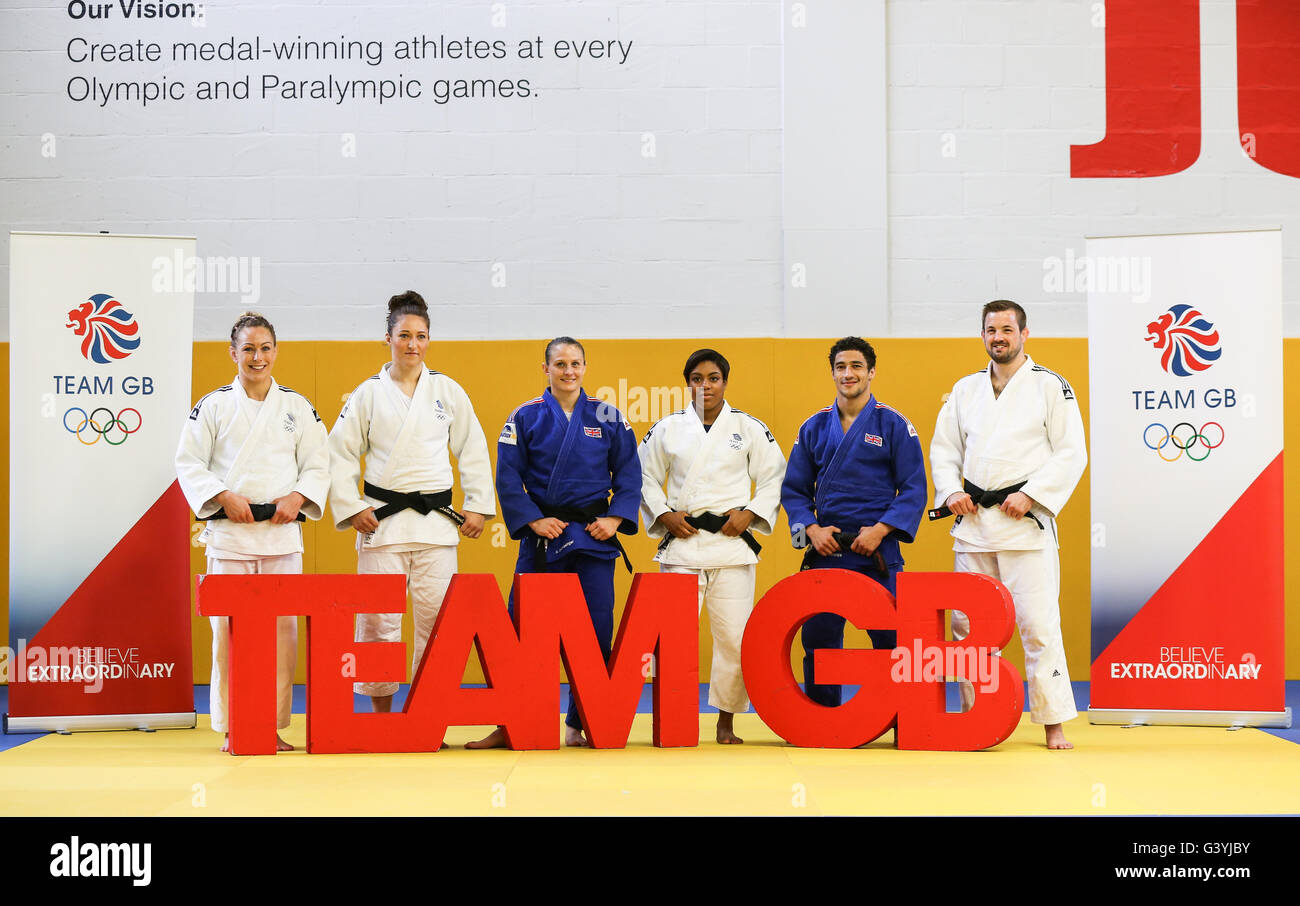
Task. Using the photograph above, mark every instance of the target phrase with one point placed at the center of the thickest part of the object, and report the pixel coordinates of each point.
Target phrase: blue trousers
(826, 630)
(596, 576)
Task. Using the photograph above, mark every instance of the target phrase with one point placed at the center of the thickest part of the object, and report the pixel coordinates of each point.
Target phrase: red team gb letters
(658, 637)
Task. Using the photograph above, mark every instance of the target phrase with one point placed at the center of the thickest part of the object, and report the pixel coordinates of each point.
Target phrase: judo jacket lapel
(396, 400)
(705, 451)
(826, 480)
(565, 458)
(267, 414)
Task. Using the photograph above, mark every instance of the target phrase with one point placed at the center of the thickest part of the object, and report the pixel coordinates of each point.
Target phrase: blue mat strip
(361, 703)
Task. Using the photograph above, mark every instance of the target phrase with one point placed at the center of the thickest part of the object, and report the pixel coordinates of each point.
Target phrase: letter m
(116, 859)
(221, 275)
(661, 618)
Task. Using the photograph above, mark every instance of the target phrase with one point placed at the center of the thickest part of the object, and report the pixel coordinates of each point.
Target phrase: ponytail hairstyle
(407, 303)
(563, 341)
(249, 319)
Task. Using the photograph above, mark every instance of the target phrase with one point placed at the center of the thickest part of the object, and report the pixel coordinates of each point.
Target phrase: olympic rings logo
(95, 428)
(1184, 443)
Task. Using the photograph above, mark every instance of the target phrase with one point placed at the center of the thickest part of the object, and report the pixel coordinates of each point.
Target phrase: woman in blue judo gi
(569, 482)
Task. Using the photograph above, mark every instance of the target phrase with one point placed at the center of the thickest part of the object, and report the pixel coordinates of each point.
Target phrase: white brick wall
(1012, 204)
(593, 232)
(984, 99)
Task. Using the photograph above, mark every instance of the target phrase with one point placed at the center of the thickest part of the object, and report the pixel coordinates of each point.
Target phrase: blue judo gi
(546, 460)
(873, 473)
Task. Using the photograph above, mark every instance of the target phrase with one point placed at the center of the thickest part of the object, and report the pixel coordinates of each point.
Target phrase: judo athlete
(404, 421)
(569, 481)
(253, 463)
(1008, 450)
(723, 470)
(854, 489)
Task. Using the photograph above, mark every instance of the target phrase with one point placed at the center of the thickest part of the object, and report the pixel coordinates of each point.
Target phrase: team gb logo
(1187, 340)
(109, 332)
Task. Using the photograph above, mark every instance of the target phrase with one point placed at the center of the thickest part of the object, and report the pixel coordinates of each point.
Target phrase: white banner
(100, 364)
(1185, 352)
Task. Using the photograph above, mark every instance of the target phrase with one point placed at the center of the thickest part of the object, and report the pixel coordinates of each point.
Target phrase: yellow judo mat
(1113, 771)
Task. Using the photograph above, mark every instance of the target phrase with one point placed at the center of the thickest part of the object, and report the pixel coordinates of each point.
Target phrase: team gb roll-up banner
(99, 371)
(1185, 365)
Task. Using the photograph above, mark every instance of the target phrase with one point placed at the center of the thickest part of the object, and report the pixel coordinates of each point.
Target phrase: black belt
(845, 541)
(583, 515)
(984, 498)
(712, 522)
(423, 503)
(261, 513)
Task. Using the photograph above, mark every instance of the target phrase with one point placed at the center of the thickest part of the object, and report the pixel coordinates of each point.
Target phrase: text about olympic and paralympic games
(420, 68)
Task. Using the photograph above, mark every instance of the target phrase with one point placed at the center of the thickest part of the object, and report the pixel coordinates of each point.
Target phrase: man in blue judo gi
(854, 489)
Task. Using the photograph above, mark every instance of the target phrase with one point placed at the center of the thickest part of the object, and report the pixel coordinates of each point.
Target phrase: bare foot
(1056, 737)
(280, 744)
(494, 740)
(574, 737)
(726, 736)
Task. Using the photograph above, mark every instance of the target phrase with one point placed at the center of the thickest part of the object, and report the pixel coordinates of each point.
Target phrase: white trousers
(286, 642)
(729, 592)
(1034, 580)
(428, 572)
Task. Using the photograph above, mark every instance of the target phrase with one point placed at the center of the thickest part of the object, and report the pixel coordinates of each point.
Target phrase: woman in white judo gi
(253, 462)
(723, 470)
(404, 421)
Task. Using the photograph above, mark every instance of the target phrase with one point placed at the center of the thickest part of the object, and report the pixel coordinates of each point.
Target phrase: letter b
(923, 722)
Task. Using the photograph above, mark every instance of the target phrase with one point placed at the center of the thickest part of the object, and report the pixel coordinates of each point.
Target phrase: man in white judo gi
(1008, 451)
(723, 470)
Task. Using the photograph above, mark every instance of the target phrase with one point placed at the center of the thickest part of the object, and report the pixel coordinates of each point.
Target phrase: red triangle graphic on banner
(134, 606)
(1224, 604)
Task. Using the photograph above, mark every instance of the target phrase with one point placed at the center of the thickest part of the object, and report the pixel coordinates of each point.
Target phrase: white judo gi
(712, 472)
(262, 451)
(1031, 432)
(405, 442)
